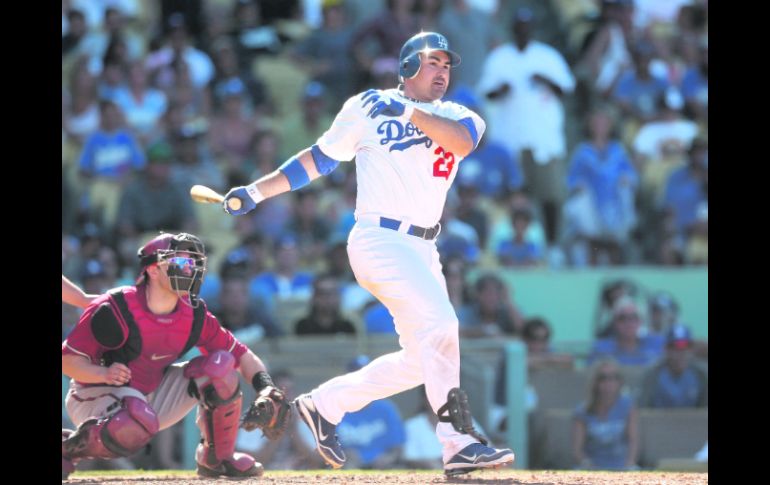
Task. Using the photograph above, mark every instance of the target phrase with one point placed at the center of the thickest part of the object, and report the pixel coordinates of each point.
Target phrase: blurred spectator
(80, 110)
(76, 32)
(253, 35)
(304, 126)
(663, 312)
(284, 281)
(373, 436)
(142, 105)
(625, 345)
(537, 338)
(676, 381)
(604, 54)
(309, 227)
(637, 90)
(687, 187)
(468, 31)
(295, 450)
(492, 312)
(611, 292)
(188, 12)
(518, 251)
(469, 209)
(502, 230)
(605, 432)
(179, 50)
(227, 71)
(669, 134)
(377, 319)
(697, 249)
(109, 156)
(428, 12)
(324, 54)
(526, 80)
(113, 78)
(97, 43)
(325, 317)
(232, 129)
(695, 86)
(193, 161)
(243, 316)
(383, 36)
(153, 202)
(600, 213)
(95, 279)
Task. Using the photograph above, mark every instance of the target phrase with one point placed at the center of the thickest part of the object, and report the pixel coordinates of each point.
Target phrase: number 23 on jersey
(442, 167)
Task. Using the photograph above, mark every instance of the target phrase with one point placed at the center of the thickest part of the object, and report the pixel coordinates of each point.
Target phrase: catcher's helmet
(186, 272)
(409, 59)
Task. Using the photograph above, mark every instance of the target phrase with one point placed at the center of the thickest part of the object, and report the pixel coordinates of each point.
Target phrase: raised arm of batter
(447, 133)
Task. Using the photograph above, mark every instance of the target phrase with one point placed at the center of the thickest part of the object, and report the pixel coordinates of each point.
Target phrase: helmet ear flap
(410, 66)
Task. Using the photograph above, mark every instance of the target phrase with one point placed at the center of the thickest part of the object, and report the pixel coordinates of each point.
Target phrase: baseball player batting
(407, 144)
(125, 386)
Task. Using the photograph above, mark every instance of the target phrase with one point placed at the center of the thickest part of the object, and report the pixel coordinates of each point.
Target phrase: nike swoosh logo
(216, 361)
(470, 458)
(321, 435)
(158, 357)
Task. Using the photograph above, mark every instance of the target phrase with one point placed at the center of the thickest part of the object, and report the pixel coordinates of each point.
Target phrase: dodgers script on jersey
(401, 173)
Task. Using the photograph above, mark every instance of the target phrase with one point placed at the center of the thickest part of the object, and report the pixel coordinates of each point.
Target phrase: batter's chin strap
(457, 411)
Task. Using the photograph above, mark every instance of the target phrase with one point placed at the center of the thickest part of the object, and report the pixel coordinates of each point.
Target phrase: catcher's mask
(185, 256)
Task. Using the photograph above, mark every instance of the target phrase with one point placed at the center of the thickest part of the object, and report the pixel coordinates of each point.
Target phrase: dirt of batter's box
(520, 477)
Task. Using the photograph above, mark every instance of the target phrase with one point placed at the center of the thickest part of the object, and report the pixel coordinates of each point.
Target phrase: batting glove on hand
(247, 204)
(390, 107)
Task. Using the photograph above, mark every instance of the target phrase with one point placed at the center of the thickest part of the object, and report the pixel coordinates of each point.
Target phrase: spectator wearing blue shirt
(605, 427)
(519, 251)
(687, 187)
(373, 436)
(601, 172)
(695, 86)
(625, 345)
(637, 88)
(285, 281)
(675, 382)
(111, 152)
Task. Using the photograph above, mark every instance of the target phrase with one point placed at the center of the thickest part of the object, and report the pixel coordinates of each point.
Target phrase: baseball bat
(206, 195)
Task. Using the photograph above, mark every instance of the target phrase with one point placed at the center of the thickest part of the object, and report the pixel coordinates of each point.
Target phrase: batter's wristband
(261, 380)
(254, 193)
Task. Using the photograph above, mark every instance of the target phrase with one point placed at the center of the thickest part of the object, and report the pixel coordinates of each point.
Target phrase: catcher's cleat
(477, 456)
(324, 432)
(239, 466)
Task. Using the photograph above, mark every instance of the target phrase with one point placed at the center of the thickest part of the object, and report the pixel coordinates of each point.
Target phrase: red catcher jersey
(163, 338)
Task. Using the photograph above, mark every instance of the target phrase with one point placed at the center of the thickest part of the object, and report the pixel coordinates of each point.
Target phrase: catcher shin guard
(220, 406)
(121, 434)
(458, 412)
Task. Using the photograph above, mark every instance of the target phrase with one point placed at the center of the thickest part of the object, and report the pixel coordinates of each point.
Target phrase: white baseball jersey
(401, 173)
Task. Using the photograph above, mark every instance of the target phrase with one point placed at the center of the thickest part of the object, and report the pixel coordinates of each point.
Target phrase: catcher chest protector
(220, 399)
(133, 345)
(458, 412)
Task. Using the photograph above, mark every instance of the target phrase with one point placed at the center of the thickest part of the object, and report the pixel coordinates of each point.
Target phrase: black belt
(428, 233)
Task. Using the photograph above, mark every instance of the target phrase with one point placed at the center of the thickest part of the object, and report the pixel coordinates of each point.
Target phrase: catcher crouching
(126, 387)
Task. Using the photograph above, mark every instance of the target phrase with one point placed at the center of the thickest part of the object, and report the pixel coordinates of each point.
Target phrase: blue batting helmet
(409, 59)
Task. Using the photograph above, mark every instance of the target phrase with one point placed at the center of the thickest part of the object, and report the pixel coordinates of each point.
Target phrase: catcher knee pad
(220, 397)
(121, 434)
(458, 412)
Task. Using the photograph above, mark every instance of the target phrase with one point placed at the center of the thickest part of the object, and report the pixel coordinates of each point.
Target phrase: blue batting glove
(387, 107)
(247, 204)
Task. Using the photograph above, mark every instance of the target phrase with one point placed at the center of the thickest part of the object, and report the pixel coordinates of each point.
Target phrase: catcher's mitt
(270, 412)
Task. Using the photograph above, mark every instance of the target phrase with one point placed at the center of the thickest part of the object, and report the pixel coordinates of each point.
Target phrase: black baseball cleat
(477, 456)
(324, 432)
